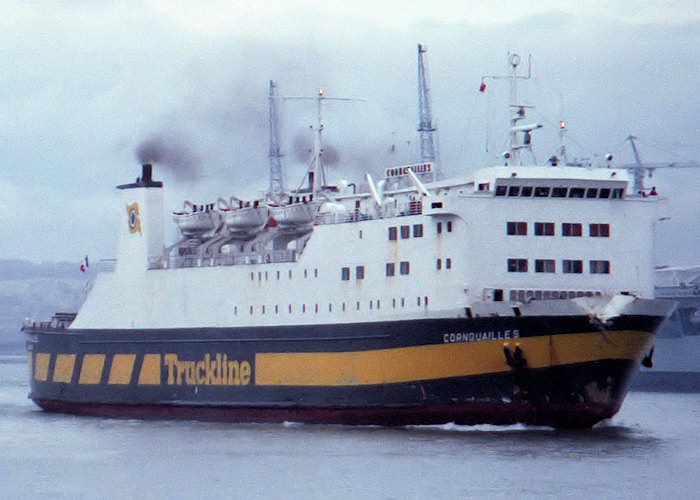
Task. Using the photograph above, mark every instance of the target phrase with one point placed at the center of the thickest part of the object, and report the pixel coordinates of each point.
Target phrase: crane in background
(638, 169)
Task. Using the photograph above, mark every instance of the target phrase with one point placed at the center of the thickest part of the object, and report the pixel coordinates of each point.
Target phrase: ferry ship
(517, 293)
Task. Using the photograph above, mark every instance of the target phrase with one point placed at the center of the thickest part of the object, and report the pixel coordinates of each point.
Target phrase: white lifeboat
(296, 215)
(244, 217)
(197, 220)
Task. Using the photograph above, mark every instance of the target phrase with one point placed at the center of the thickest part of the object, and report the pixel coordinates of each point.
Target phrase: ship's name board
(212, 370)
(448, 338)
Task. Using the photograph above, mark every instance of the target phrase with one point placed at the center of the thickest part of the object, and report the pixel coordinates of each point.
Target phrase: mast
(276, 189)
(513, 156)
(425, 126)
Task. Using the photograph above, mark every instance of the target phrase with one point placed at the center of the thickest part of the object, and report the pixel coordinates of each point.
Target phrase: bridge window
(592, 193)
(541, 192)
(544, 266)
(576, 192)
(514, 191)
(559, 192)
(517, 265)
(526, 191)
(604, 193)
(544, 228)
(572, 266)
(516, 228)
(501, 190)
(599, 230)
(571, 229)
(599, 266)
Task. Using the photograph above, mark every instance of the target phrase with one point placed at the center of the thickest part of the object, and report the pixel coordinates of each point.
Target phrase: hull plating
(554, 371)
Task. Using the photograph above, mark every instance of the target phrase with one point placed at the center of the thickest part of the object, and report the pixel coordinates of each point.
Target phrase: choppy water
(651, 449)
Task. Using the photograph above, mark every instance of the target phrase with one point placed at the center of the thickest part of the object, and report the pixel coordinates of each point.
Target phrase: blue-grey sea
(651, 449)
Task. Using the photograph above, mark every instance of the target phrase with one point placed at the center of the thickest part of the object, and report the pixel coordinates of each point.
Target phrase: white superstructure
(405, 249)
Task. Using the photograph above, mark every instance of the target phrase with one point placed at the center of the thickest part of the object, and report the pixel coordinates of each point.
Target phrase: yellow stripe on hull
(439, 361)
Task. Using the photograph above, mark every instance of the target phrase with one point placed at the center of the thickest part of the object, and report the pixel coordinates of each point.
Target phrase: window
(517, 265)
(559, 192)
(544, 228)
(392, 233)
(544, 266)
(390, 268)
(514, 191)
(345, 273)
(438, 264)
(604, 193)
(599, 230)
(526, 191)
(405, 232)
(576, 192)
(360, 272)
(448, 263)
(541, 192)
(617, 193)
(572, 266)
(516, 228)
(592, 193)
(571, 229)
(599, 266)
(439, 227)
(449, 226)
(403, 267)
(417, 230)
(501, 190)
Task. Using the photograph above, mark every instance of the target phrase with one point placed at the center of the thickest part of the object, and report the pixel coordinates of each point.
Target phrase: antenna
(317, 174)
(425, 127)
(276, 189)
(513, 155)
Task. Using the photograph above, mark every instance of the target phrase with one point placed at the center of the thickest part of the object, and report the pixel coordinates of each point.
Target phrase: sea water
(651, 449)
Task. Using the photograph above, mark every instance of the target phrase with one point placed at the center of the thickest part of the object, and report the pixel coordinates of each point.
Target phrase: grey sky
(84, 83)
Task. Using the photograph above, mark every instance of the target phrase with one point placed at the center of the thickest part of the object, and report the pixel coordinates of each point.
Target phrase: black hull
(542, 371)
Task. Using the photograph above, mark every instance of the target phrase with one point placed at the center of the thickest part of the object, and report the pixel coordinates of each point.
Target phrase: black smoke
(171, 152)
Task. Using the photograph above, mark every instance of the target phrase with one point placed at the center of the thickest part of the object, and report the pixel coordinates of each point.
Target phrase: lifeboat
(244, 217)
(197, 220)
(297, 215)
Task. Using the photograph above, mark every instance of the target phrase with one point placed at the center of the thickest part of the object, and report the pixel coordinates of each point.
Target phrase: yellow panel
(91, 371)
(122, 366)
(438, 361)
(63, 370)
(150, 370)
(41, 365)
(30, 361)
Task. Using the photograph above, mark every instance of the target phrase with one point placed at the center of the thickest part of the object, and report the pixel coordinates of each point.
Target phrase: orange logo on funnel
(134, 221)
